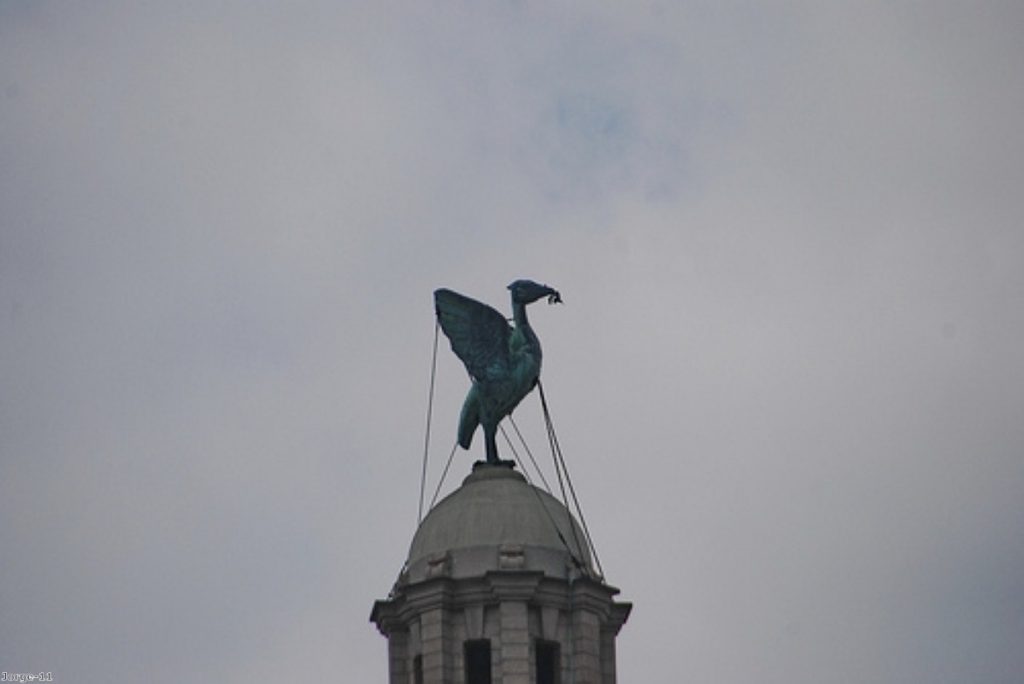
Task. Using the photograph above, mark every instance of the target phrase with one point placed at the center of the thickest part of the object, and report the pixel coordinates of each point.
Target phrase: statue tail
(468, 419)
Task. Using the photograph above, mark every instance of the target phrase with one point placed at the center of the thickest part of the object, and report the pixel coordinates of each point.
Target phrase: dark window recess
(478, 661)
(548, 658)
(417, 669)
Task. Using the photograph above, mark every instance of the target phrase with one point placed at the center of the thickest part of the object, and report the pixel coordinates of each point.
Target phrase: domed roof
(496, 521)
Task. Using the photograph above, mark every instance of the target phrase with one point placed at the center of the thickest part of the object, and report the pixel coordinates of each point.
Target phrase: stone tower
(499, 586)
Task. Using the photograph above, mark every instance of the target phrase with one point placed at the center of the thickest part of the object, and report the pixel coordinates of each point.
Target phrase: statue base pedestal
(511, 465)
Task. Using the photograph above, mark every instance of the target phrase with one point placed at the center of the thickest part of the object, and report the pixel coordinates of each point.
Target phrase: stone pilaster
(513, 589)
(607, 656)
(398, 656)
(586, 646)
(434, 651)
(515, 643)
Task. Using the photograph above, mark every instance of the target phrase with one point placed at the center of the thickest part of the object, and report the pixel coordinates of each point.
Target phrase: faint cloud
(597, 145)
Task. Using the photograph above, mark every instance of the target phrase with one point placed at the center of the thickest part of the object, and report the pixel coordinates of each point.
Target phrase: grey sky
(787, 378)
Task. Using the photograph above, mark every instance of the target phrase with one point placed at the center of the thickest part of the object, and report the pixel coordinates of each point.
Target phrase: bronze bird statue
(503, 361)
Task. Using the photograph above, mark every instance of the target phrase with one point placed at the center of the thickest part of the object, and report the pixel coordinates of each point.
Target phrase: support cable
(565, 498)
(430, 411)
(515, 454)
(529, 453)
(560, 460)
(443, 474)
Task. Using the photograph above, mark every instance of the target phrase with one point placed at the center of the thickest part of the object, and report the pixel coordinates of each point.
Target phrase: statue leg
(492, 449)
(491, 444)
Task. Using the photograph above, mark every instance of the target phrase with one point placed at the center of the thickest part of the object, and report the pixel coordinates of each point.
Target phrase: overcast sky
(788, 376)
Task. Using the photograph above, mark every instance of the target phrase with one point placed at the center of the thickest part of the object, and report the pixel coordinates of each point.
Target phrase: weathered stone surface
(496, 520)
(488, 563)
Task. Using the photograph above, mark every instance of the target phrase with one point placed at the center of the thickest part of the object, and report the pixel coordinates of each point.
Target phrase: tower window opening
(478, 661)
(547, 655)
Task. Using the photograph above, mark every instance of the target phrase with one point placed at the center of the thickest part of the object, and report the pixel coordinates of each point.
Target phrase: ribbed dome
(496, 521)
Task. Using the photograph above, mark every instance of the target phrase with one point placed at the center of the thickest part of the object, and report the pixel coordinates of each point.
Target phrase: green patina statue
(503, 361)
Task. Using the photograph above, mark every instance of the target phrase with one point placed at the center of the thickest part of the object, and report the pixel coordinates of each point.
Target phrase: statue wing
(479, 334)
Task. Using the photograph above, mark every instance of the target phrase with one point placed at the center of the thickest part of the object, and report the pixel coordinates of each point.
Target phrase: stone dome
(496, 521)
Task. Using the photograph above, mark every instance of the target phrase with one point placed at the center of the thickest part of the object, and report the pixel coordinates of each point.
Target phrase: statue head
(527, 292)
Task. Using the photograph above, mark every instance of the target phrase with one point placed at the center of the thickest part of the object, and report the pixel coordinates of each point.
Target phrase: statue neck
(519, 315)
(523, 330)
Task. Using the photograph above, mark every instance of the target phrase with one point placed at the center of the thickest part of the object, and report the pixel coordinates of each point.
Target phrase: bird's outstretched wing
(478, 333)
